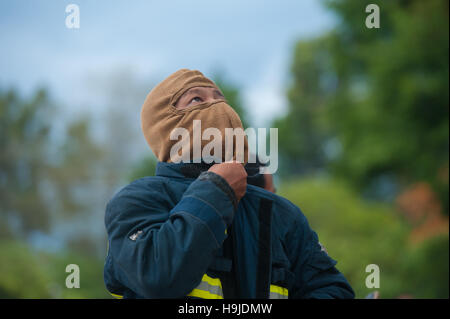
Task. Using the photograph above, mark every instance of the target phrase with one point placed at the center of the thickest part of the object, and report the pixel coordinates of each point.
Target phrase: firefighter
(196, 229)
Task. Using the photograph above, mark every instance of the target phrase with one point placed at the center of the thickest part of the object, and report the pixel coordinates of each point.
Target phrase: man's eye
(196, 99)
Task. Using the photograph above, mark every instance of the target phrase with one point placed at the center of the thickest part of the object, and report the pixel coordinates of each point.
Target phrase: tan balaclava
(159, 118)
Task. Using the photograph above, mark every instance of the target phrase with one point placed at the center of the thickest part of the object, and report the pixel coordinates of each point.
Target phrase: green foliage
(40, 175)
(24, 136)
(91, 275)
(46, 179)
(145, 167)
(401, 111)
(371, 105)
(358, 233)
(21, 274)
(304, 132)
(426, 268)
(25, 273)
(370, 108)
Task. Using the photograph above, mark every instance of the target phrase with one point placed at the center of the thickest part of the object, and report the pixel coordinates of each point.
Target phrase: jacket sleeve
(314, 270)
(163, 252)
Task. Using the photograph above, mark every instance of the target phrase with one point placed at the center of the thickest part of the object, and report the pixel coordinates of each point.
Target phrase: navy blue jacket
(181, 233)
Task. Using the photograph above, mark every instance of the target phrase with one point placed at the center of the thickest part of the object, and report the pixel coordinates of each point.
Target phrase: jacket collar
(181, 170)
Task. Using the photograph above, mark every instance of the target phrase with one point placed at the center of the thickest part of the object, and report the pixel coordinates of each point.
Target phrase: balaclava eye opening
(198, 133)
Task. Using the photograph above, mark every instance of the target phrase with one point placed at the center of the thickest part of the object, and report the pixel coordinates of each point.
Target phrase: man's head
(188, 102)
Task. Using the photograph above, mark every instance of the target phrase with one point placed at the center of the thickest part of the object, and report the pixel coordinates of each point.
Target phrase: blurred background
(362, 118)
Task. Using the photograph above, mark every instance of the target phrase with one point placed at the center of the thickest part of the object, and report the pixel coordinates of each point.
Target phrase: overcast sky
(250, 41)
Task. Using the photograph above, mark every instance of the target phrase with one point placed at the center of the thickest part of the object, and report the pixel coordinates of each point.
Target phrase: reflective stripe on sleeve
(116, 296)
(209, 288)
(277, 292)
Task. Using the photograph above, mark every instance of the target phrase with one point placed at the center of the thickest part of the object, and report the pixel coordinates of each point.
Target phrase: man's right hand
(235, 175)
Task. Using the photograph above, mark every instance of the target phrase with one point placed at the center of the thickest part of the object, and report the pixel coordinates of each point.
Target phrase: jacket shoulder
(143, 192)
(140, 186)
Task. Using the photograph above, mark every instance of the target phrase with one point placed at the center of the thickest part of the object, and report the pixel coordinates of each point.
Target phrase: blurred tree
(124, 93)
(76, 170)
(392, 101)
(49, 175)
(24, 144)
(373, 104)
(303, 131)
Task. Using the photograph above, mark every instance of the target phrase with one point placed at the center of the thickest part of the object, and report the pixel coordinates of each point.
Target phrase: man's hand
(235, 174)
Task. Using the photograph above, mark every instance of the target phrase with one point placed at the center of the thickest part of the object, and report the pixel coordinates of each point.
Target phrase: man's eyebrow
(193, 91)
(198, 91)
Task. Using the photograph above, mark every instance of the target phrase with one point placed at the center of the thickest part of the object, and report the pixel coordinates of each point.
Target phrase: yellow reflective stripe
(212, 281)
(209, 288)
(116, 296)
(278, 290)
(204, 294)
